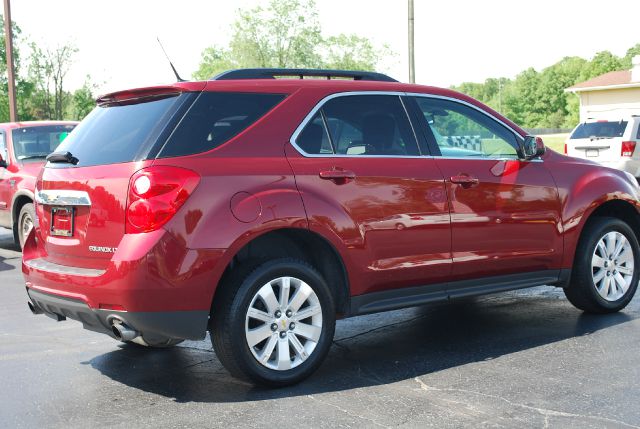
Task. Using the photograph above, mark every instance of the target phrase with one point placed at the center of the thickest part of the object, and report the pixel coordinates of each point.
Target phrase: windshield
(599, 130)
(38, 141)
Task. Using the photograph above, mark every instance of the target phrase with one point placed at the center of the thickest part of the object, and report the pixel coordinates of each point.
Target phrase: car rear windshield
(113, 134)
(600, 130)
(215, 118)
(37, 142)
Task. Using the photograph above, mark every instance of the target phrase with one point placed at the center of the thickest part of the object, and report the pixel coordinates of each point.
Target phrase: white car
(612, 143)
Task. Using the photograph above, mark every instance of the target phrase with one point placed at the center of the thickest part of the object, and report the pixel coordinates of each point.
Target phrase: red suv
(23, 148)
(264, 208)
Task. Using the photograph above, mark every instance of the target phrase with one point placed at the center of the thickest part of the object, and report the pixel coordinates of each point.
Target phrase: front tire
(606, 267)
(25, 223)
(274, 326)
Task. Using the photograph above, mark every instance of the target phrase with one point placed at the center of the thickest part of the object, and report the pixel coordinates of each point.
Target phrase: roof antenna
(170, 63)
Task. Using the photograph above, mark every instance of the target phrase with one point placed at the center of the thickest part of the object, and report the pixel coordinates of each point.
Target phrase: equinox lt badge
(102, 249)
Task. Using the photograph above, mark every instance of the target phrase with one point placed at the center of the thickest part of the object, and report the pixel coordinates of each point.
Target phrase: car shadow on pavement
(371, 350)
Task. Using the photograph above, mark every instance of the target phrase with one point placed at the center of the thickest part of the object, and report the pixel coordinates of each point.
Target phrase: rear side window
(215, 118)
(601, 130)
(119, 133)
(314, 139)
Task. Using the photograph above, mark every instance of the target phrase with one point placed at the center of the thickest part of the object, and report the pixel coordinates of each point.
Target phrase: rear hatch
(82, 192)
(599, 141)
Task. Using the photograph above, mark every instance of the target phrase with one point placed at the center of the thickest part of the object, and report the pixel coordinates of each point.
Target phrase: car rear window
(215, 118)
(121, 133)
(601, 130)
(39, 141)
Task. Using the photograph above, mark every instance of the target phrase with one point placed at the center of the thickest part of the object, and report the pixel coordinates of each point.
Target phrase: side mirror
(533, 147)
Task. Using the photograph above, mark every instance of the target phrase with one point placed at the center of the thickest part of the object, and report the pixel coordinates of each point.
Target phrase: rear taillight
(156, 194)
(628, 148)
(565, 148)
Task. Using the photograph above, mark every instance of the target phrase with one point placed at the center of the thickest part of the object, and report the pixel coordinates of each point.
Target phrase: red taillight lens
(565, 148)
(156, 194)
(628, 148)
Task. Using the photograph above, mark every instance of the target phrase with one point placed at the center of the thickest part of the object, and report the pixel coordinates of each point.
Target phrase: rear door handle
(465, 180)
(337, 175)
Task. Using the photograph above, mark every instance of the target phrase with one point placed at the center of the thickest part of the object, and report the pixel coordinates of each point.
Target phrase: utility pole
(412, 61)
(8, 42)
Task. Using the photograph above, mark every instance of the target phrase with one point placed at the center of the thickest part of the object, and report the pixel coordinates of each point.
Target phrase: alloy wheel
(283, 323)
(612, 266)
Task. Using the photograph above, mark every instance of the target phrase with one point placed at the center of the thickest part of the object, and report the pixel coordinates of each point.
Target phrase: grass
(552, 141)
(555, 141)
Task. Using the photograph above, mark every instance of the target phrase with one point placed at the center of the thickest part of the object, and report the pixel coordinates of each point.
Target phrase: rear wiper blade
(62, 157)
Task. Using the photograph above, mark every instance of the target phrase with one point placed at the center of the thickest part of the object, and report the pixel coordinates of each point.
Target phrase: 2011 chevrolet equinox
(262, 208)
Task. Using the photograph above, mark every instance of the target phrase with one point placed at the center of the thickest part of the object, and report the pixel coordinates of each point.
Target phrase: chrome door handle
(337, 175)
(465, 180)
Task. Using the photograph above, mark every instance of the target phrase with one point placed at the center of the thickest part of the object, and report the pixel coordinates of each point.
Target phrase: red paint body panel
(391, 219)
(101, 224)
(397, 223)
(510, 222)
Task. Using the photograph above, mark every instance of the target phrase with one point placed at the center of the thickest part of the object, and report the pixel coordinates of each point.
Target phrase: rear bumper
(152, 326)
(153, 283)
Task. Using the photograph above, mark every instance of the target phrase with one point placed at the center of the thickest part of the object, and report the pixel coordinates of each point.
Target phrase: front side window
(461, 131)
(360, 125)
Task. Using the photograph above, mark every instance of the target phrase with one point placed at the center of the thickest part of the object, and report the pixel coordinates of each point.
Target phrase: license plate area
(62, 220)
(592, 153)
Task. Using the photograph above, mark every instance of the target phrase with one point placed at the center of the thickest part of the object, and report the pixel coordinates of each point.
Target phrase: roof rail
(300, 74)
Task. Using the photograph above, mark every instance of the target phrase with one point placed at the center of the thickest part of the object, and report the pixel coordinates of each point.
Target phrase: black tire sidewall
(237, 313)
(596, 232)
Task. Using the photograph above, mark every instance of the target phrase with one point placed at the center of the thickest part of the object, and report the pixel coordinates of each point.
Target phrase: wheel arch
(624, 209)
(22, 197)
(298, 243)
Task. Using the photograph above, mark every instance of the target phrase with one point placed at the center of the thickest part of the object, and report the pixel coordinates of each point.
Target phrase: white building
(612, 95)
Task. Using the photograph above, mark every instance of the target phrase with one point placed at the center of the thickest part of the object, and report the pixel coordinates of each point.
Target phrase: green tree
(24, 88)
(538, 99)
(47, 70)
(287, 34)
(603, 62)
(83, 100)
(631, 52)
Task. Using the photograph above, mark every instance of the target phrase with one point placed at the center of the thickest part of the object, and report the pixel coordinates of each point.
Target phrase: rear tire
(606, 268)
(25, 222)
(275, 325)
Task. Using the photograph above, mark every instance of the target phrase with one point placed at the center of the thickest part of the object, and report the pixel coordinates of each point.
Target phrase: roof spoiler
(132, 96)
(274, 73)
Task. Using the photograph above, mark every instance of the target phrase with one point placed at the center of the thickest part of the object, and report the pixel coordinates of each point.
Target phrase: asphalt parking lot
(520, 359)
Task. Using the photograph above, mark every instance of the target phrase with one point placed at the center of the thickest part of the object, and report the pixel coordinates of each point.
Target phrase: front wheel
(25, 222)
(606, 267)
(275, 325)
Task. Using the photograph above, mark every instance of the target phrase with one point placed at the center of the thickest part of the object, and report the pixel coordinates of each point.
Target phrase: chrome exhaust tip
(123, 332)
(33, 308)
